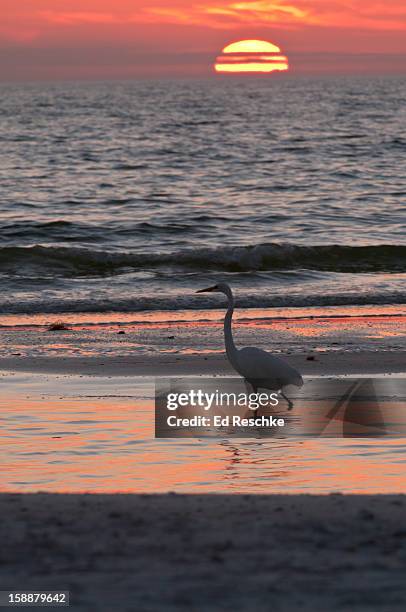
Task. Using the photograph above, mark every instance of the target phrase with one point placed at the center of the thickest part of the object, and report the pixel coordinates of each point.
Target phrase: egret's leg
(249, 386)
(255, 390)
(290, 403)
(251, 389)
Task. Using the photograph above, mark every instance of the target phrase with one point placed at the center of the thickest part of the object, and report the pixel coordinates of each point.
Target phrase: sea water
(129, 196)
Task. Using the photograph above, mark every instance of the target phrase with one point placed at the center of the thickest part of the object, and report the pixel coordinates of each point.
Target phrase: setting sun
(251, 56)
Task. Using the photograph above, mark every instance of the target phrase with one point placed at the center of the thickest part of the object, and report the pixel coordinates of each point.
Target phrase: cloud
(32, 15)
(227, 14)
(342, 13)
(269, 10)
(204, 25)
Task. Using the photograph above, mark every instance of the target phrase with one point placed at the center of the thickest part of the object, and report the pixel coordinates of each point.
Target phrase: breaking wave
(67, 261)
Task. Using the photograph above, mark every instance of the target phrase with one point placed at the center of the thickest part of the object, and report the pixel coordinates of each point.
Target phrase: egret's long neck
(231, 349)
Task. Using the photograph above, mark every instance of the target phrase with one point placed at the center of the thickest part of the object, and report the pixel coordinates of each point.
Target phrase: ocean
(130, 196)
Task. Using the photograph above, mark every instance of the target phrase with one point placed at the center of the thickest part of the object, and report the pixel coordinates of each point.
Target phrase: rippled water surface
(128, 196)
(76, 434)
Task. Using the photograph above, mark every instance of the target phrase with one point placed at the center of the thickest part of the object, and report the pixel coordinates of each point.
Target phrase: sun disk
(244, 56)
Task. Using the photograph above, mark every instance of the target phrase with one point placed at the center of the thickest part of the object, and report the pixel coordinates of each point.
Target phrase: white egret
(259, 368)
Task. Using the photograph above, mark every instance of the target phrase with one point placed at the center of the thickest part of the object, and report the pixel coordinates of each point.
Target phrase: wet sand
(206, 552)
(328, 341)
(327, 364)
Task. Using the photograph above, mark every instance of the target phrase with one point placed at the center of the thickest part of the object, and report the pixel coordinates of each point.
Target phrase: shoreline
(362, 340)
(211, 364)
(214, 315)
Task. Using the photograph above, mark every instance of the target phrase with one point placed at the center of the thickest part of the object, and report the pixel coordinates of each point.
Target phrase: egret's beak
(208, 290)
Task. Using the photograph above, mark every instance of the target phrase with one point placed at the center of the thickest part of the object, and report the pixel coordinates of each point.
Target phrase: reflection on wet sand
(77, 436)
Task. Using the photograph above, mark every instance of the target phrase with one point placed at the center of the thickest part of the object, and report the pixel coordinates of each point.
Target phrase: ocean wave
(71, 261)
(191, 301)
(67, 232)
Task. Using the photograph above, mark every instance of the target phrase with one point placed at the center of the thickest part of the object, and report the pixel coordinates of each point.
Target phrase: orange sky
(41, 39)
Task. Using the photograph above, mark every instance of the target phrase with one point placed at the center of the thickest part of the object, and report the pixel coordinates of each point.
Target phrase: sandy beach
(169, 365)
(93, 504)
(208, 552)
(316, 341)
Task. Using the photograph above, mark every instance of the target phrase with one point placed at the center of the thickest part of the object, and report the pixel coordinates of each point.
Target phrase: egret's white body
(259, 368)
